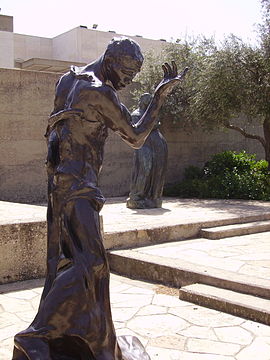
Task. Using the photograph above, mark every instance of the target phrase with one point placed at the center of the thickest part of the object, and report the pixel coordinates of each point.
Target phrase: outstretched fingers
(169, 70)
(174, 69)
(166, 69)
(183, 73)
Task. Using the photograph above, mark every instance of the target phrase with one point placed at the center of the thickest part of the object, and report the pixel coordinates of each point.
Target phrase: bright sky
(155, 19)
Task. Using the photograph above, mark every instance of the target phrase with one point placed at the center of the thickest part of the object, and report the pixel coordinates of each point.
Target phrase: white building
(78, 46)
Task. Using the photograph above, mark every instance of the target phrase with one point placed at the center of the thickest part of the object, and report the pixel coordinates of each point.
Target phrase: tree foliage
(223, 82)
(192, 53)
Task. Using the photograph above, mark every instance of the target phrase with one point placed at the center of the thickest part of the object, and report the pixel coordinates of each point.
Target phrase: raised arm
(118, 117)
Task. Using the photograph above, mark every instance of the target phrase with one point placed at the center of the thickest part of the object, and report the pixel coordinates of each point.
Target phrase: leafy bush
(228, 175)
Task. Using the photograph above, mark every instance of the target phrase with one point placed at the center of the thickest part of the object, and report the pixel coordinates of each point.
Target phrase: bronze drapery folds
(74, 319)
(149, 165)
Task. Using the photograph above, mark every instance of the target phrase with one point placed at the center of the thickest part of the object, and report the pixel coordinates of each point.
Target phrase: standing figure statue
(74, 319)
(149, 165)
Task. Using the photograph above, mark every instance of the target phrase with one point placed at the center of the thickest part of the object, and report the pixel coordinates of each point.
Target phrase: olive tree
(223, 82)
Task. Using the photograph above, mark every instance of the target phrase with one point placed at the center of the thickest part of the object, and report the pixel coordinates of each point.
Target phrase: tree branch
(246, 134)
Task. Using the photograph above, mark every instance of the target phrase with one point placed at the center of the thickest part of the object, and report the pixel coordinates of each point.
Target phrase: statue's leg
(77, 304)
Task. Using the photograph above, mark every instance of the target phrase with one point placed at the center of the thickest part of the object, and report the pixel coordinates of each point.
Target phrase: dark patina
(74, 317)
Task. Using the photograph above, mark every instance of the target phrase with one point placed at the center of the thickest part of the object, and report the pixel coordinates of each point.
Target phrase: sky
(154, 19)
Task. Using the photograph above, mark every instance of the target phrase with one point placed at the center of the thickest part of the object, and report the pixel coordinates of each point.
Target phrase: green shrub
(229, 161)
(228, 175)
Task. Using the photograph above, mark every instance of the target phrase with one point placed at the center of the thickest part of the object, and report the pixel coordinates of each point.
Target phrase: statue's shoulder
(84, 81)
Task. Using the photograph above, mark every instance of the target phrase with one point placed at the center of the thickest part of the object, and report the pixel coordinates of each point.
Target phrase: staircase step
(246, 306)
(180, 273)
(220, 232)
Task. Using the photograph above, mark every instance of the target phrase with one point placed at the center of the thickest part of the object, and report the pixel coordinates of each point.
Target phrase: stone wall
(197, 148)
(26, 99)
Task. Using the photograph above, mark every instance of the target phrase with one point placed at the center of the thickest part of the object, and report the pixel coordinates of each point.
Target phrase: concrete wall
(6, 49)
(197, 148)
(28, 47)
(25, 102)
(26, 99)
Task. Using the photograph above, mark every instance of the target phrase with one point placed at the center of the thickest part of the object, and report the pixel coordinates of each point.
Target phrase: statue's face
(121, 73)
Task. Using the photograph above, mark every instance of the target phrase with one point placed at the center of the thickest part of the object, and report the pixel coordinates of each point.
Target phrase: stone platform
(160, 245)
(23, 228)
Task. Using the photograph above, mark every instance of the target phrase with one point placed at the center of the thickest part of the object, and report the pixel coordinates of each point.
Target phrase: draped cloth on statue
(74, 317)
(148, 174)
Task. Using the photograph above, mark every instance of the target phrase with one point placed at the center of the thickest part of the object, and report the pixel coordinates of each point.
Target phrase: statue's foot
(135, 204)
(132, 348)
(144, 203)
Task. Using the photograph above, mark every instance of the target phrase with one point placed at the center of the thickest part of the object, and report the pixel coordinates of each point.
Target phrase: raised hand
(170, 78)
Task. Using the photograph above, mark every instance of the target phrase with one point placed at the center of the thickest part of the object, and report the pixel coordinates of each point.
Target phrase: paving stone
(157, 353)
(198, 356)
(260, 271)
(119, 287)
(224, 253)
(212, 347)
(252, 256)
(24, 295)
(138, 290)
(8, 320)
(199, 316)
(11, 330)
(26, 316)
(176, 342)
(259, 349)
(235, 335)
(166, 300)
(201, 332)
(152, 310)
(256, 328)
(14, 306)
(130, 300)
(119, 324)
(35, 302)
(195, 256)
(6, 349)
(38, 290)
(120, 314)
(156, 325)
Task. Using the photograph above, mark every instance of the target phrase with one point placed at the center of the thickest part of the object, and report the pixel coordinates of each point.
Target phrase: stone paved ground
(117, 217)
(247, 255)
(170, 329)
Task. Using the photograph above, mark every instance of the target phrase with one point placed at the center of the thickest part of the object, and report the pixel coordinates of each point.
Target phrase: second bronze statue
(149, 165)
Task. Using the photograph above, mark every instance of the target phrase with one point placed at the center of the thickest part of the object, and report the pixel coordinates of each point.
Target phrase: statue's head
(123, 60)
(145, 101)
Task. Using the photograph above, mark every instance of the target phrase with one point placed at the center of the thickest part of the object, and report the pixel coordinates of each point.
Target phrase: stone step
(179, 273)
(246, 306)
(220, 232)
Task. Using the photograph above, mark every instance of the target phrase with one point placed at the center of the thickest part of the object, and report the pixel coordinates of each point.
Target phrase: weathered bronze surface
(74, 317)
(149, 165)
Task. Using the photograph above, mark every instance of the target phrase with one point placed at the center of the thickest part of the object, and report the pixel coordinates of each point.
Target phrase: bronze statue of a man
(149, 165)
(74, 317)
